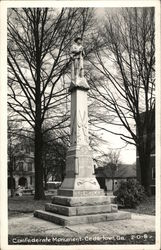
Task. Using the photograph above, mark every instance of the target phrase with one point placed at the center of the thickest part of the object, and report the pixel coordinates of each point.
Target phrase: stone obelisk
(80, 199)
(80, 178)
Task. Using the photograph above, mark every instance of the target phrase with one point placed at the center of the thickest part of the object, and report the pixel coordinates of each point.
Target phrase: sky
(114, 142)
(127, 154)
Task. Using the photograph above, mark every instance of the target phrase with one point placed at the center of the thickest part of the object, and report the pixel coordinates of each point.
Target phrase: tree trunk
(11, 167)
(39, 189)
(145, 170)
(45, 177)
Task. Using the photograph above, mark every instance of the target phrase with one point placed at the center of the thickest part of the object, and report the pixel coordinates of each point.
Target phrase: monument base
(83, 200)
(66, 210)
(81, 219)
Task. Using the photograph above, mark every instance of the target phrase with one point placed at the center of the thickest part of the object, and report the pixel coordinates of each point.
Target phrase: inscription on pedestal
(88, 193)
(80, 193)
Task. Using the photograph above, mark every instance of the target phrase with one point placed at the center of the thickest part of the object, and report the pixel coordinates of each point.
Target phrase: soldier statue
(77, 72)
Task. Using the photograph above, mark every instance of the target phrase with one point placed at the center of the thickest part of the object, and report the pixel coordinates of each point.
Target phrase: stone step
(82, 210)
(81, 219)
(83, 201)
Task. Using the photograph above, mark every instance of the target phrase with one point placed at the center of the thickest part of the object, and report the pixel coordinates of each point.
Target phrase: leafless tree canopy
(123, 76)
(39, 40)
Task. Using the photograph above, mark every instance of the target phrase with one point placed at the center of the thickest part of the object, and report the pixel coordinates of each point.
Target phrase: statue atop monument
(77, 71)
(77, 54)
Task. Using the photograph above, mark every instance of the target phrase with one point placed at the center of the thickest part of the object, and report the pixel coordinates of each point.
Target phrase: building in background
(23, 167)
(109, 180)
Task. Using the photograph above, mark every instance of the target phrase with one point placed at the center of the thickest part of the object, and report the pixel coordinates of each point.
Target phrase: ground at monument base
(139, 223)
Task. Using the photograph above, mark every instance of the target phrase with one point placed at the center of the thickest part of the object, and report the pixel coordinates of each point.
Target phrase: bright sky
(127, 153)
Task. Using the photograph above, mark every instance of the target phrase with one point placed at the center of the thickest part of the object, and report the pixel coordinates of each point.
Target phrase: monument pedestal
(80, 199)
(74, 210)
(80, 219)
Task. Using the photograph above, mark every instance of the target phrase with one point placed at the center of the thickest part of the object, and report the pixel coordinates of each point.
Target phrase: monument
(80, 199)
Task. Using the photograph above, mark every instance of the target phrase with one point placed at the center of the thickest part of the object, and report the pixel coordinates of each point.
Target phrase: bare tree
(123, 78)
(112, 164)
(38, 57)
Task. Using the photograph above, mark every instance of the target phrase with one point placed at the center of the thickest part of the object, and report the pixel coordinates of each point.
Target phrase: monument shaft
(79, 163)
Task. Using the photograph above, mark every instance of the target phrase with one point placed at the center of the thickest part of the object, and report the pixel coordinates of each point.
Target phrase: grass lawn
(25, 204)
(146, 207)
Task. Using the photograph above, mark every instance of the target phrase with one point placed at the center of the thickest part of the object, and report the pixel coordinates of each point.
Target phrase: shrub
(130, 193)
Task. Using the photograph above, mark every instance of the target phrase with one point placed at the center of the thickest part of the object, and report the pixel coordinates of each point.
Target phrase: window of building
(20, 166)
(153, 173)
(29, 166)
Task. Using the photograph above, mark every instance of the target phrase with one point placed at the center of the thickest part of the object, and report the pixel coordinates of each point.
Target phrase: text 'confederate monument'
(80, 199)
